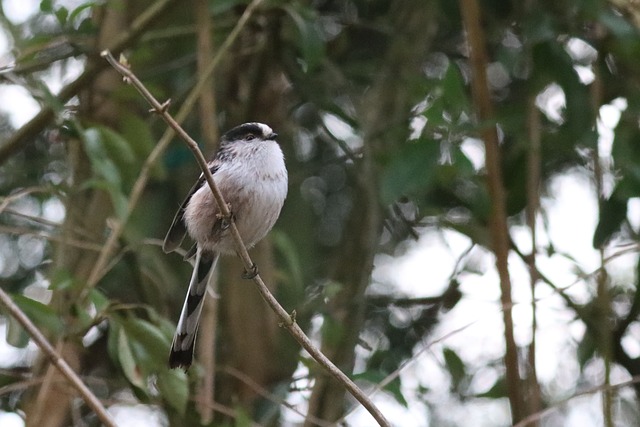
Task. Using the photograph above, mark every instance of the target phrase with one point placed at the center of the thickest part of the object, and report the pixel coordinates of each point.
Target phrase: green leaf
(141, 141)
(148, 344)
(120, 202)
(15, 334)
(332, 331)
(617, 24)
(455, 94)
(456, 368)
(395, 389)
(99, 300)
(174, 387)
(290, 254)
(78, 10)
(46, 6)
(117, 146)
(613, 213)
(119, 150)
(95, 141)
(62, 13)
(62, 279)
(478, 233)
(539, 27)
(497, 391)
(43, 316)
(242, 418)
(128, 363)
(626, 152)
(411, 171)
(221, 6)
(102, 165)
(309, 35)
(586, 349)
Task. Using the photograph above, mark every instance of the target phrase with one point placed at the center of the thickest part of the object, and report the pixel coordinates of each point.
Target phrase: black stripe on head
(244, 131)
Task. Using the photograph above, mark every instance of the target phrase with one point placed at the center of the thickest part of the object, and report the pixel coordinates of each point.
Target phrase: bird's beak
(273, 136)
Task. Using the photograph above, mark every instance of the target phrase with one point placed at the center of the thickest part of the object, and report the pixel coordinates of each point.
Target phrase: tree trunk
(390, 101)
(253, 351)
(86, 213)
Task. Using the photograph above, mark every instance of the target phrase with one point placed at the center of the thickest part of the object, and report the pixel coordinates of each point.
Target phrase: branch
(603, 298)
(534, 161)
(206, 350)
(288, 321)
(27, 133)
(100, 267)
(266, 394)
(471, 18)
(409, 361)
(608, 388)
(56, 359)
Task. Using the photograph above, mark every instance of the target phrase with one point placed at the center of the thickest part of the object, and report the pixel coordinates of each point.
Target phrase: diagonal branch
(604, 388)
(288, 321)
(100, 267)
(56, 359)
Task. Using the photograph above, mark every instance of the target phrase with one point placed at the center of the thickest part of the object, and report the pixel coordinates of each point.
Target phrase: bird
(250, 171)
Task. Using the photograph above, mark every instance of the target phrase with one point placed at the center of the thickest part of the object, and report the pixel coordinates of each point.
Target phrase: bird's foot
(225, 220)
(250, 273)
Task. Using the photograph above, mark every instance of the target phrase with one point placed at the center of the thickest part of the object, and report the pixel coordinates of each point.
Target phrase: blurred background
(443, 300)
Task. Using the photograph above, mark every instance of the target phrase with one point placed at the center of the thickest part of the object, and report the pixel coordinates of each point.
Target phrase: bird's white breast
(253, 181)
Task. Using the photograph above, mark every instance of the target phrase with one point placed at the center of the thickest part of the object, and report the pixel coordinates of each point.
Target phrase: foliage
(373, 103)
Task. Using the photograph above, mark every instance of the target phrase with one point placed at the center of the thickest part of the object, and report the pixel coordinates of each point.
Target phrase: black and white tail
(185, 337)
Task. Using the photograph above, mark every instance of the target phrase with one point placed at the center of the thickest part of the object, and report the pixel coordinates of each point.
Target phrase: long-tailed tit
(250, 172)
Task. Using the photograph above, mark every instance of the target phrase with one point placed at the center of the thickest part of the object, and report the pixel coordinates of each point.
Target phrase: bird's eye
(250, 137)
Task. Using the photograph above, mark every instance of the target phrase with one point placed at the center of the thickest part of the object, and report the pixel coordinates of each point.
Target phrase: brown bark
(250, 339)
(384, 115)
(251, 328)
(472, 20)
(86, 210)
(206, 345)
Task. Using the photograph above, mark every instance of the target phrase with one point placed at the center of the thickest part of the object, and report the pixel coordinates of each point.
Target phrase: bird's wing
(178, 229)
(185, 337)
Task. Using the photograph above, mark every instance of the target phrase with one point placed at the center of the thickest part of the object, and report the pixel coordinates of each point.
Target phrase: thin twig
(27, 133)
(56, 359)
(605, 388)
(288, 321)
(82, 244)
(472, 22)
(241, 376)
(100, 267)
(534, 160)
(36, 219)
(406, 363)
(7, 200)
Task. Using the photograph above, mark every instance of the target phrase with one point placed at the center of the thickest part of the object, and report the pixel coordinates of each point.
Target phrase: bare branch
(82, 244)
(605, 388)
(100, 267)
(472, 21)
(27, 133)
(287, 321)
(533, 398)
(241, 376)
(56, 359)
